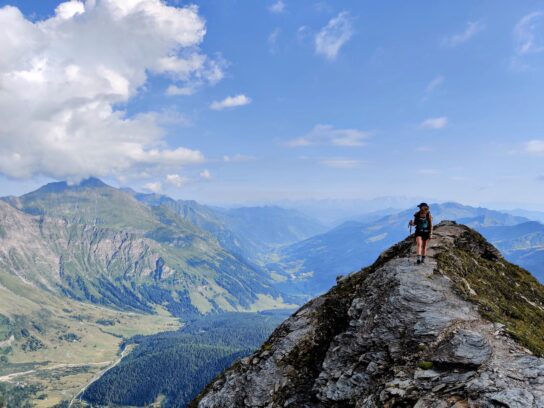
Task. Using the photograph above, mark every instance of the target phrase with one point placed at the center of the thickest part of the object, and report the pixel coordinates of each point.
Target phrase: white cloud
(174, 90)
(472, 28)
(341, 163)
(206, 175)
(535, 147)
(529, 34)
(327, 134)
(176, 180)
(273, 39)
(277, 7)
(434, 84)
(155, 187)
(64, 79)
(334, 35)
(231, 102)
(238, 158)
(434, 123)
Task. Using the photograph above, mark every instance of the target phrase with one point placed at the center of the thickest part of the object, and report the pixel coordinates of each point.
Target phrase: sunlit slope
(98, 244)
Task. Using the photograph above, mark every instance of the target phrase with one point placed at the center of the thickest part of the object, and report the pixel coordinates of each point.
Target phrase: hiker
(423, 221)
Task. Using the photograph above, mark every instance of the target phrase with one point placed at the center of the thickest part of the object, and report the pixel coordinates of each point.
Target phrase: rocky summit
(465, 329)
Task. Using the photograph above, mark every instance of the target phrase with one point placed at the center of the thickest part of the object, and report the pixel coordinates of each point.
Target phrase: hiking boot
(418, 261)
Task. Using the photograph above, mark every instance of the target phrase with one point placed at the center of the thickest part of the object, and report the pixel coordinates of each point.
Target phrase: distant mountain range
(311, 266)
(248, 231)
(119, 248)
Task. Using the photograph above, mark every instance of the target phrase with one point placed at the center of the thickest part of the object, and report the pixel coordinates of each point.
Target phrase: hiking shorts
(425, 235)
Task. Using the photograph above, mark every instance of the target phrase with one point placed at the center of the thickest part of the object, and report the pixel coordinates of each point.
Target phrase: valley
(95, 280)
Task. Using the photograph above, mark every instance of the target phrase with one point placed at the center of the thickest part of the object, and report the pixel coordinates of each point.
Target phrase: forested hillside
(177, 365)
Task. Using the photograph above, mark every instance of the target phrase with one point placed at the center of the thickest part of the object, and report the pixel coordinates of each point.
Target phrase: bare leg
(424, 247)
(419, 243)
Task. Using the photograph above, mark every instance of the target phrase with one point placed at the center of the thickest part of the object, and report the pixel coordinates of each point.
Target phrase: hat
(423, 205)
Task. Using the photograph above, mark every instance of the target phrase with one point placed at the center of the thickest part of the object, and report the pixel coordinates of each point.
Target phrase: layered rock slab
(393, 334)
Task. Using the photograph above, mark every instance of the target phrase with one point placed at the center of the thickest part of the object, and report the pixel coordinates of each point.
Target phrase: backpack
(422, 224)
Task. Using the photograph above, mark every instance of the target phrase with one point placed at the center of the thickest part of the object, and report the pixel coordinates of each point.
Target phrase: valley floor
(63, 371)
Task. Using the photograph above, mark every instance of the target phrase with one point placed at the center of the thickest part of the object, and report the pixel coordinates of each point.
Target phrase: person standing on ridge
(423, 221)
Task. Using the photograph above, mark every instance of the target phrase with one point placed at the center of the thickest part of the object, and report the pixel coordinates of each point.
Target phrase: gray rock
(361, 344)
(514, 398)
(465, 347)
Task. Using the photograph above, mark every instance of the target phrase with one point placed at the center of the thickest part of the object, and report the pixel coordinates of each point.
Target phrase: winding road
(97, 377)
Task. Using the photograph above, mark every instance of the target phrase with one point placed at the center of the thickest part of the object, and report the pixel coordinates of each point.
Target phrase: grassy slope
(61, 364)
(504, 292)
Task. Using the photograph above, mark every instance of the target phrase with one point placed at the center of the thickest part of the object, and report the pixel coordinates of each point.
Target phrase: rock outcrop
(397, 334)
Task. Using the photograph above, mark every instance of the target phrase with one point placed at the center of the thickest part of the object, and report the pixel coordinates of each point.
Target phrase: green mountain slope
(95, 243)
(249, 231)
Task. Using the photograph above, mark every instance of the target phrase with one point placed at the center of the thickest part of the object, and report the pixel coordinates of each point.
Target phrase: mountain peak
(92, 182)
(61, 186)
(451, 331)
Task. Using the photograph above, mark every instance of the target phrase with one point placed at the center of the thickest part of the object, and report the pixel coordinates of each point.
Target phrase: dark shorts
(424, 235)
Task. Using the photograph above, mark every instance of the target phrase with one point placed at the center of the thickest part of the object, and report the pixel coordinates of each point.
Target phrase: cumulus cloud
(176, 180)
(434, 123)
(277, 7)
(231, 102)
(63, 79)
(330, 39)
(472, 28)
(154, 187)
(529, 33)
(535, 147)
(329, 135)
(341, 163)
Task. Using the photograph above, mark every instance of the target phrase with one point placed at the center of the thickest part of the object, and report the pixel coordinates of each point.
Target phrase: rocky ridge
(403, 335)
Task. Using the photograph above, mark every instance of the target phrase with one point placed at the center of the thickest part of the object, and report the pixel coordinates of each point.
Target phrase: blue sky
(347, 100)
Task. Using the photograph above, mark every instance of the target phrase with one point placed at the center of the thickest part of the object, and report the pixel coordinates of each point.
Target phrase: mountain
(85, 266)
(530, 214)
(464, 329)
(271, 226)
(94, 243)
(205, 218)
(311, 266)
(251, 232)
(522, 244)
